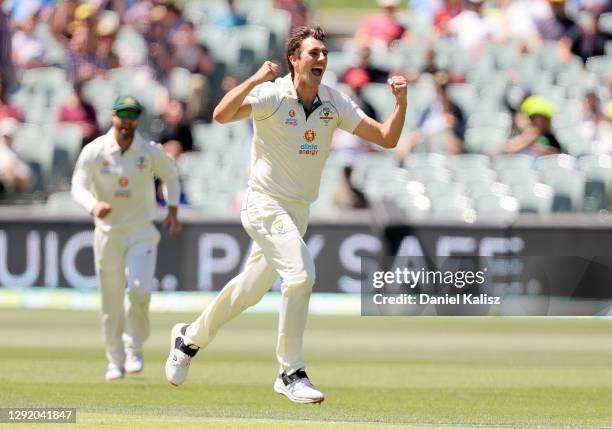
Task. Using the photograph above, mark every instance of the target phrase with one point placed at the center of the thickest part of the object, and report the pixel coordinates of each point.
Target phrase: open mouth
(317, 71)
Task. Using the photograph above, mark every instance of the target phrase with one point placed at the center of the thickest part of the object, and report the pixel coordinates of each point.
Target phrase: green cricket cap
(125, 102)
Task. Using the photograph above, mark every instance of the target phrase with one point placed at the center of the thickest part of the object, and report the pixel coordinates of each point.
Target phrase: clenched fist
(398, 85)
(101, 209)
(266, 72)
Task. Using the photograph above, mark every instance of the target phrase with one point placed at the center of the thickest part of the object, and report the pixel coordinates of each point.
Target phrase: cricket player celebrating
(114, 181)
(294, 119)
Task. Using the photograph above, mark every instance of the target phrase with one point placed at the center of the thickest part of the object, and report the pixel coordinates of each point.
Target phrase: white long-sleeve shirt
(123, 180)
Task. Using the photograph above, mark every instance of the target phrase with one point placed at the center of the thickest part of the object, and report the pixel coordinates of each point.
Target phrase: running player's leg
(243, 291)
(140, 269)
(111, 276)
(278, 229)
(292, 260)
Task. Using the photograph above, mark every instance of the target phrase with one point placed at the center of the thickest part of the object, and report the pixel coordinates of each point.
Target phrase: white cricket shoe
(134, 363)
(114, 372)
(177, 365)
(298, 388)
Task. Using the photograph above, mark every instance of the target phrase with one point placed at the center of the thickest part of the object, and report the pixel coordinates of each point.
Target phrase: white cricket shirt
(124, 180)
(290, 150)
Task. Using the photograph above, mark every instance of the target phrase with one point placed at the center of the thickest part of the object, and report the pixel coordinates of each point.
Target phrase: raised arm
(233, 106)
(388, 133)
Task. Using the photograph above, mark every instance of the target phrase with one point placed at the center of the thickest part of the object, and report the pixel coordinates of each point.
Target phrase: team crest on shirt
(105, 169)
(291, 120)
(141, 163)
(309, 148)
(278, 226)
(326, 115)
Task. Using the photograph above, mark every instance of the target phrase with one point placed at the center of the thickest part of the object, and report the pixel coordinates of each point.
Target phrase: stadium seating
(598, 175)
(497, 207)
(430, 181)
(62, 202)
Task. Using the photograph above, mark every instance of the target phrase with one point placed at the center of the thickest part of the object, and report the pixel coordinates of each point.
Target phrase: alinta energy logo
(309, 148)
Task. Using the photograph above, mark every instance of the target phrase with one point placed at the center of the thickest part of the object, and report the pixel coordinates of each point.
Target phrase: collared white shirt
(290, 150)
(124, 180)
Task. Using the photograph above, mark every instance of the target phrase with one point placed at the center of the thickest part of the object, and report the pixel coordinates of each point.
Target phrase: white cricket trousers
(277, 228)
(125, 266)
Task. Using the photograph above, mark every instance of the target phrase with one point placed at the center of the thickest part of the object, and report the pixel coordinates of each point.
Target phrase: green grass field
(376, 372)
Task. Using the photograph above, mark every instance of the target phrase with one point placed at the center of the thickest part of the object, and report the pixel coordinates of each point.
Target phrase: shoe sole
(134, 372)
(115, 378)
(176, 331)
(297, 400)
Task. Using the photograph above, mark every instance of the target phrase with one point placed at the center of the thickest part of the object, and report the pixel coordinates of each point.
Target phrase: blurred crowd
(517, 72)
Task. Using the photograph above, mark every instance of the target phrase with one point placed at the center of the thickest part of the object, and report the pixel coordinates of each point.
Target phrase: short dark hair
(297, 35)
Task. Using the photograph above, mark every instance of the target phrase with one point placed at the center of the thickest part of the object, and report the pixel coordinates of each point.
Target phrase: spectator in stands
(603, 140)
(137, 15)
(558, 25)
(6, 60)
(172, 129)
(364, 72)
(107, 29)
(192, 55)
(427, 8)
(28, 49)
(173, 149)
(229, 16)
(7, 110)
(14, 173)
(76, 110)
(349, 147)
(472, 27)
(383, 26)
(356, 79)
(160, 62)
(84, 63)
(518, 19)
(592, 116)
(592, 39)
(442, 120)
(296, 8)
(536, 137)
(158, 30)
(444, 14)
(61, 19)
(172, 19)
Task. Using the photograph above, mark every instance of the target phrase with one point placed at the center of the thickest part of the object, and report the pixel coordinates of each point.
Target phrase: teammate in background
(113, 180)
(294, 119)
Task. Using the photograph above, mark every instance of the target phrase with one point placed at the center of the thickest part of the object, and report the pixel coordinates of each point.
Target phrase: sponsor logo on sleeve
(291, 120)
(105, 168)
